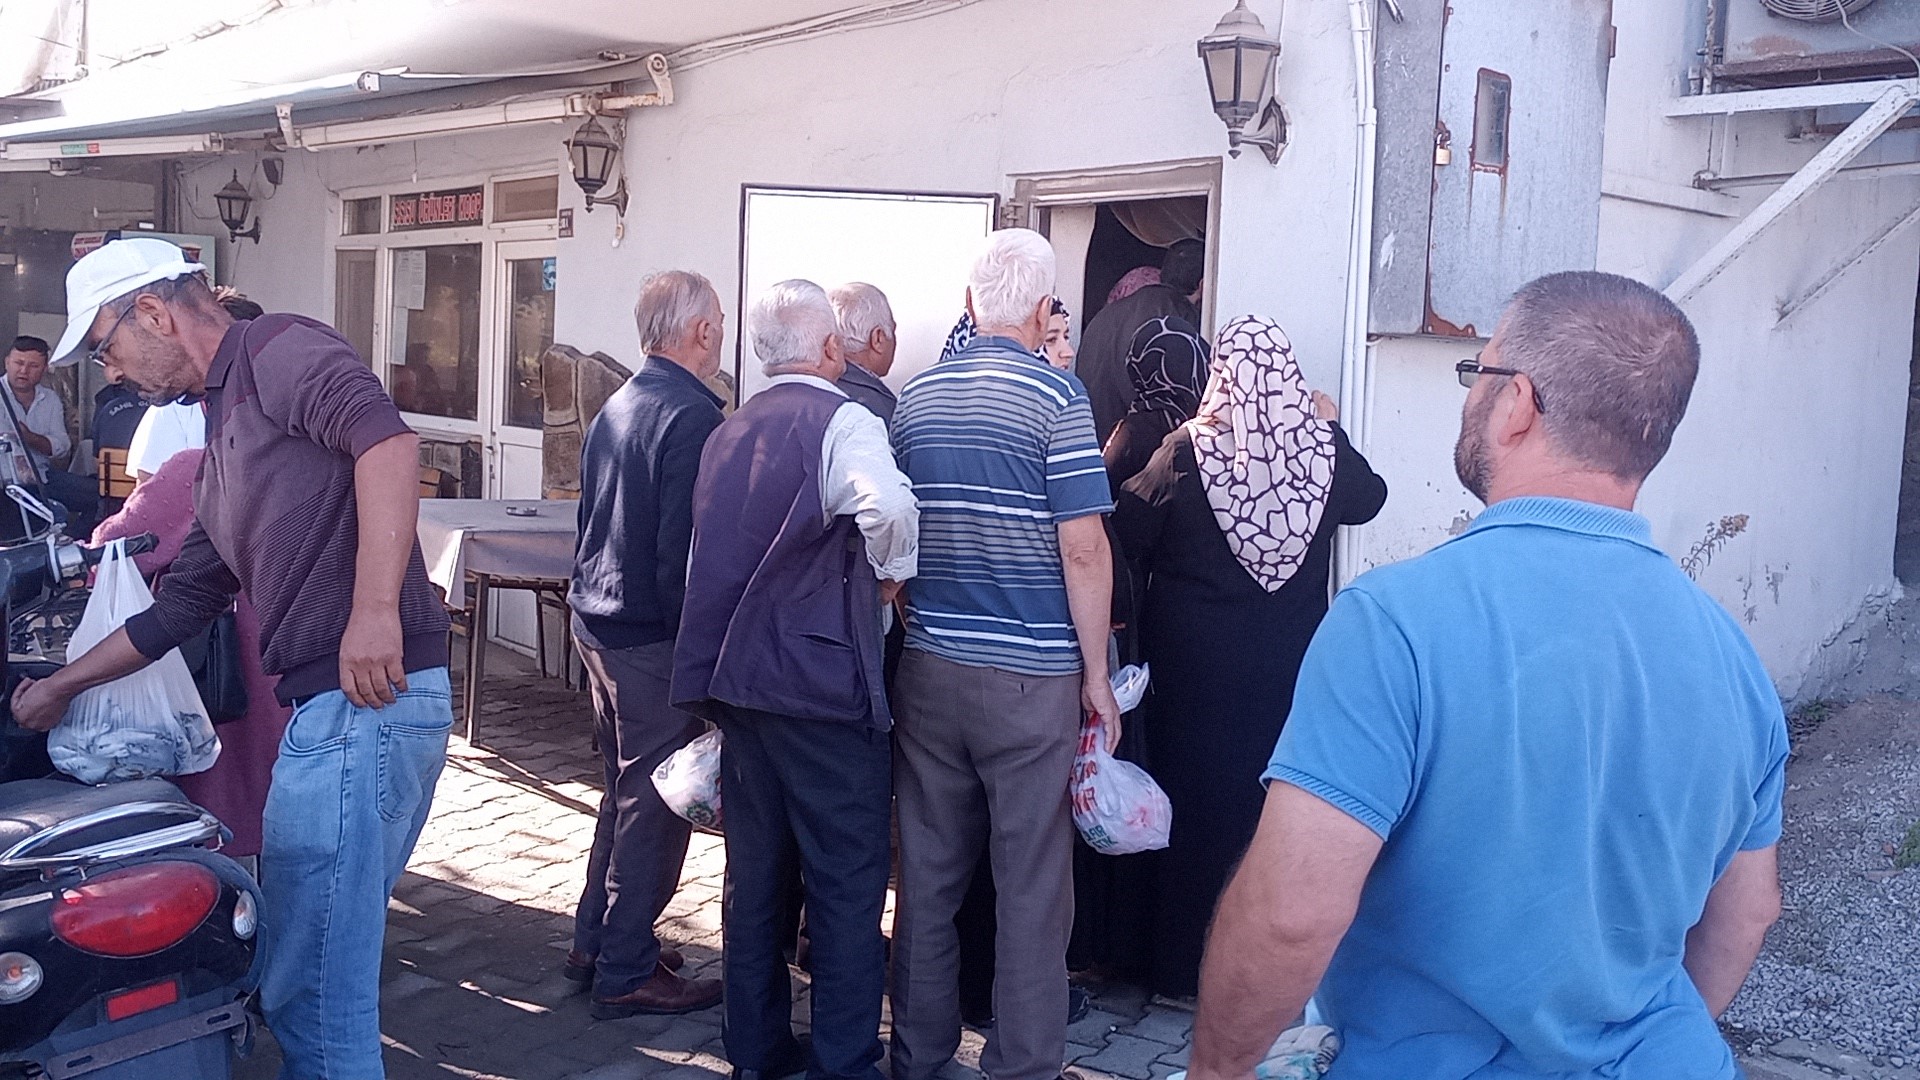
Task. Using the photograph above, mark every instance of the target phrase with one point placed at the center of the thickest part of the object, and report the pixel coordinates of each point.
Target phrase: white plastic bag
(689, 781)
(149, 723)
(1302, 1053)
(1116, 806)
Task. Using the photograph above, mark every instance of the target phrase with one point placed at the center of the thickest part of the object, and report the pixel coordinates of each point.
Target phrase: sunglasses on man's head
(1471, 370)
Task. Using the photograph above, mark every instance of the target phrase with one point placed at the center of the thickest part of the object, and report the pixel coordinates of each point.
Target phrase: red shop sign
(437, 209)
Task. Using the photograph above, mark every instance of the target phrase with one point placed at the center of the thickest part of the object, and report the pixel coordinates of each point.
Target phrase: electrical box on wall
(1492, 124)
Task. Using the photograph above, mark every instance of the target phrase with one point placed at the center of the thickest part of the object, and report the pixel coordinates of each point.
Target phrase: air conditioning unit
(1793, 42)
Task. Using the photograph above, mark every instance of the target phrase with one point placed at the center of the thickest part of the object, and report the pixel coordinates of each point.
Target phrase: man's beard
(1470, 458)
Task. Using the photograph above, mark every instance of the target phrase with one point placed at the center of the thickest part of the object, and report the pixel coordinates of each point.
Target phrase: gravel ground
(1842, 967)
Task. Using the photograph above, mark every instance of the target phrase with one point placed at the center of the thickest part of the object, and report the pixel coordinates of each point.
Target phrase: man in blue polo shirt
(1522, 819)
(1007, 628)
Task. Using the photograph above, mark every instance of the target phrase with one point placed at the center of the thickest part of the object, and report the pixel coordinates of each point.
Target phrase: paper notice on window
(410, 278)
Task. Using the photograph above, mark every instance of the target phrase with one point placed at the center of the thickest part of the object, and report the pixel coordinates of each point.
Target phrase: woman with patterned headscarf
(1233, 521)
(1167, 364)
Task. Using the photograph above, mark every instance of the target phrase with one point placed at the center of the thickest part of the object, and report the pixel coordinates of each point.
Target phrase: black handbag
(213, 656)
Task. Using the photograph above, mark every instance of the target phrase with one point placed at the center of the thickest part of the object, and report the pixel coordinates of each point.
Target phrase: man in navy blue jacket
(637, 471)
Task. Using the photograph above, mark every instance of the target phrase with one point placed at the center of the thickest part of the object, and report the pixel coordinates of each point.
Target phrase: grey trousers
(639, 844)
(982, 758)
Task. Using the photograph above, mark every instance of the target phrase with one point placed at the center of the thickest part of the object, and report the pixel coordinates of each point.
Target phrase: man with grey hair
(867, 332)
(1007, 630)
(638, 465)
(1534, 776)
(803, 532)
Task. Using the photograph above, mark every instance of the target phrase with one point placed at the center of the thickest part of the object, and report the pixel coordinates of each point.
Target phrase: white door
(523, 328)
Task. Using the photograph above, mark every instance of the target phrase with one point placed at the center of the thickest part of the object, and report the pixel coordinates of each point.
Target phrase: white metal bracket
(1890, 106)
(1860, 254)
(662, 92)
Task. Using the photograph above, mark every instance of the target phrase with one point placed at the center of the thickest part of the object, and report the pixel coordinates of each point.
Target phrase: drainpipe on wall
(1356, 364)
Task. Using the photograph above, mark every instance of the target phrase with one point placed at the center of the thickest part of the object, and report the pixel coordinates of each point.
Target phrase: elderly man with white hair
(868, 333)
(1007, 629)
(803, 531)
(637, 470)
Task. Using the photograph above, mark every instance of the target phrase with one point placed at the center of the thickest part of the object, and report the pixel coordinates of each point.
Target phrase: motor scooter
(128, 942)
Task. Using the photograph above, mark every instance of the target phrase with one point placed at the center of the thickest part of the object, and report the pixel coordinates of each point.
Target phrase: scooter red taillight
(137, 911)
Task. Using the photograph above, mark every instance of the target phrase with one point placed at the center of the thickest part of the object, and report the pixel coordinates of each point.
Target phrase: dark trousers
(639, 845)
(812, 797)
(985, 757)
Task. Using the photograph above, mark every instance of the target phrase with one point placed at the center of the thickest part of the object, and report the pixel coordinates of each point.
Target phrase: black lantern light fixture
(594, 153)
(1240, 60)
(235, 203)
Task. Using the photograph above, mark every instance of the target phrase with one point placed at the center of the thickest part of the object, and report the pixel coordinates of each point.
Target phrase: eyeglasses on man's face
(98, 354)
(1471, 370)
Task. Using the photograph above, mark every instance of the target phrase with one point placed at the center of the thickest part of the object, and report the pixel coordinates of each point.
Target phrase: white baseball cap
(109, 272)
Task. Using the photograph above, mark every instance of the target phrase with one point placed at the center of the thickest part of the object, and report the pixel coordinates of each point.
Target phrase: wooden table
(478, 540)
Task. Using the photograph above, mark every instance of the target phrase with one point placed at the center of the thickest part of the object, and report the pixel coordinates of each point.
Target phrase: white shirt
(46, 417)
(858, 477)
(164, 431)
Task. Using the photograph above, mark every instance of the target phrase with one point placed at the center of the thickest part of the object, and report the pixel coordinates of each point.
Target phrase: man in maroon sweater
(307, 500)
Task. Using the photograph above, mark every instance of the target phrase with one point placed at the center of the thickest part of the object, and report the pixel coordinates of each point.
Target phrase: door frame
(1037, 194)
(495, 359)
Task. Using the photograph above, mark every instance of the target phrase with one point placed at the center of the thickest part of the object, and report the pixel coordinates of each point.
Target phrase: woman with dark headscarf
(1168, 366)
(1233, 521)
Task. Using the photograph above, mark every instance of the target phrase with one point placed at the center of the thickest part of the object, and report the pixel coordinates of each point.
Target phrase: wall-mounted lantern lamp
(594, 153)
(1240, 60)
(235, 203)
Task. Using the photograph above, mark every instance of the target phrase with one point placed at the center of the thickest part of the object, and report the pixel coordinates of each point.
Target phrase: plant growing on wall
(1718, 534)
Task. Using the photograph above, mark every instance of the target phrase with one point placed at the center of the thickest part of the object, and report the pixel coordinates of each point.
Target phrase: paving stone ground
(480, 925)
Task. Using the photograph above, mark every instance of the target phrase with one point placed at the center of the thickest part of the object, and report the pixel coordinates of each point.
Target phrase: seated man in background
(40, 419)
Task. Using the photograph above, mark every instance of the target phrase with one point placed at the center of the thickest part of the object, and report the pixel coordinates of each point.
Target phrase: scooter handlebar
(138, 544)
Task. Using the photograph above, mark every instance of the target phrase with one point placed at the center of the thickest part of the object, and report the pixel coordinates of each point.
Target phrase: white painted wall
(1798, 425)
(958, 102)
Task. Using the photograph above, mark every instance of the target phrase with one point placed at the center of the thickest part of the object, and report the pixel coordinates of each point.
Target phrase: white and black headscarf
(1265, 459)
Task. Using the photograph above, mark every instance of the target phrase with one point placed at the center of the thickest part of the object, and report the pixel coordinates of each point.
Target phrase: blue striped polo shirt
(1001, 450)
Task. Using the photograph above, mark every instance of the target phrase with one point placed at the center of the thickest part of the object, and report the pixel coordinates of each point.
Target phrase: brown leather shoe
(666, 994)
(579, 966)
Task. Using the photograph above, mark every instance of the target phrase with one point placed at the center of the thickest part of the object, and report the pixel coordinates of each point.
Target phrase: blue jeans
(350, 794)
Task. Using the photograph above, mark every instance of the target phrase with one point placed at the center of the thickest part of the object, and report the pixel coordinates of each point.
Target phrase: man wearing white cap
(307, 500)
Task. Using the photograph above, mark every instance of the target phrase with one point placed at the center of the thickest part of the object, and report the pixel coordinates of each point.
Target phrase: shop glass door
(524, 275)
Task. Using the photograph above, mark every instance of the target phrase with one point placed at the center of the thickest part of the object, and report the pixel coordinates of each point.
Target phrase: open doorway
(1906, 543)
(1107, 223)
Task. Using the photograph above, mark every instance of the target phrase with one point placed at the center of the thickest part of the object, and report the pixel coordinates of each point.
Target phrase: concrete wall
(41, 200)
(1798, 426)
(958, 103)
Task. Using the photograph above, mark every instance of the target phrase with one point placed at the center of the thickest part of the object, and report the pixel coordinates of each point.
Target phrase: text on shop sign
(438, 209)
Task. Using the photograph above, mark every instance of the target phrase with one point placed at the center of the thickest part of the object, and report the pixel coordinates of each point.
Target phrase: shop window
(360, 217)
(537, 199)
(529, 331)
(434, 333)
(353, 298)
(915, 248)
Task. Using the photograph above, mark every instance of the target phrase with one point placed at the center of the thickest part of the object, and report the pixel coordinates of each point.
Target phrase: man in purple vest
(803, 531)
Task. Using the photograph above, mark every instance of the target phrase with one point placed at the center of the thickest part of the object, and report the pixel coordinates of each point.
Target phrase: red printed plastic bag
(1116, 806)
